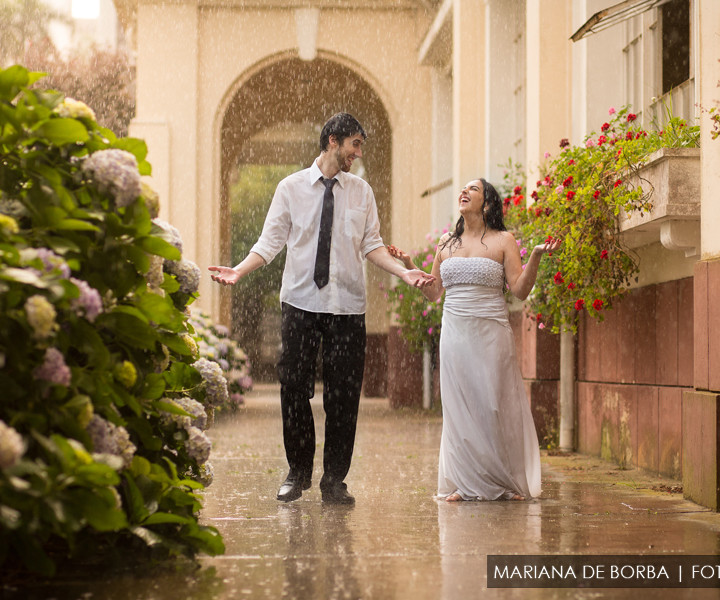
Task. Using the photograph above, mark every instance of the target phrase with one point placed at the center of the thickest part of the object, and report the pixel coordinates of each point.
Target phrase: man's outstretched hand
(225, 275)
(417, 278)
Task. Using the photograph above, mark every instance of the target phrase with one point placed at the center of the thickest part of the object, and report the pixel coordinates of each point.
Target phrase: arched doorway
(274, 119)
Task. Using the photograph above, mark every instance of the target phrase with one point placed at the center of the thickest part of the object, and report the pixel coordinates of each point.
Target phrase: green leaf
(156, 245)
(76, 225)
(153, 386)
(63, 131)
(11, 80)
(162, 517)
(135, 146)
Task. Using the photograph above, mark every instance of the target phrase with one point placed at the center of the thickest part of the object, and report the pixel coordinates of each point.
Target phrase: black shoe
(337, 494)
(292, 488)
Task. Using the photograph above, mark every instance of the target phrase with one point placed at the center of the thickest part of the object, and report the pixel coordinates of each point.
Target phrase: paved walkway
(398, 542)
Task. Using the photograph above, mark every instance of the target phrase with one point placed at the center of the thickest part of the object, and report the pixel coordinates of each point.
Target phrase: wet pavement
(398, 542)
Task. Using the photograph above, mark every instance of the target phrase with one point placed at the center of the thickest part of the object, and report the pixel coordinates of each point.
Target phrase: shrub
(104, 394)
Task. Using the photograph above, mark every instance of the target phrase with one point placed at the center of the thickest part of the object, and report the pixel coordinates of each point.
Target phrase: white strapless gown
(489, 448)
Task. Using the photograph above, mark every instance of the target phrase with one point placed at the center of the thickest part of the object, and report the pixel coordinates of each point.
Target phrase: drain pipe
(427, 378)
(567, 391)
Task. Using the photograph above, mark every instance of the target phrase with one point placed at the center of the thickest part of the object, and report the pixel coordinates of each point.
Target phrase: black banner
(599, 571)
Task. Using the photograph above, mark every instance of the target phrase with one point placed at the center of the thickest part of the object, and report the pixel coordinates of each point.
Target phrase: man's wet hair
(341, 125)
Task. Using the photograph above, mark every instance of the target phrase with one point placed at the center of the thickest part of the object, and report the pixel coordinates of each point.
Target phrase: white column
(709, 96)
(469, 81)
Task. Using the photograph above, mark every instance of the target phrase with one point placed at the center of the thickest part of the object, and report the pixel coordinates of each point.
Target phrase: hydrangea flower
(189, 405)
(215, 383)
(190, 343)
(126, 373)
(198, 445)
(54, 369)
(12, 208)
(8, 224)
(75, 109)
(52, 261)
(89, 301)
(172, 235)
(115, 172)
(108, 438)
(152, 199)
(12, 446)
(187, 273)
(206, 474)
(155, 276)
(41, 316)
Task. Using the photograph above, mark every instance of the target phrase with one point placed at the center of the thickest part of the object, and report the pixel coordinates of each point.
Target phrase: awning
(614, 15)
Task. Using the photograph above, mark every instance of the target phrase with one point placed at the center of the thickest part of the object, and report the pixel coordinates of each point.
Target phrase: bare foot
(454, 497)
(517, 497)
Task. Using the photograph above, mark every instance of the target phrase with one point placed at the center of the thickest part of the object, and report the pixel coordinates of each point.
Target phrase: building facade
(449, 90)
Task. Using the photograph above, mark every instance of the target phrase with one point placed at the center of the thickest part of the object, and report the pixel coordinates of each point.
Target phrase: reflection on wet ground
(397, 542)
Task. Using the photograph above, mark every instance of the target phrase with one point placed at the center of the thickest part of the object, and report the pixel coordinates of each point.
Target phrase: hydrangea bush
(581, 198)
(216, 345)
(105, 394)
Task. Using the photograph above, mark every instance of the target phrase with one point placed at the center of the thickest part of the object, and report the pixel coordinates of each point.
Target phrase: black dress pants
(343, 363)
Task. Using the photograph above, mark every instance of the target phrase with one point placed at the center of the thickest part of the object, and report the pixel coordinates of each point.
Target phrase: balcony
(673, 177)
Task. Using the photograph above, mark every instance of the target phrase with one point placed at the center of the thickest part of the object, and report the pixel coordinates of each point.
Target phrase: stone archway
(274, 118)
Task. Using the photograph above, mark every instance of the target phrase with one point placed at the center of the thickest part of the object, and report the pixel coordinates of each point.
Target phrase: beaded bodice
(474, 270)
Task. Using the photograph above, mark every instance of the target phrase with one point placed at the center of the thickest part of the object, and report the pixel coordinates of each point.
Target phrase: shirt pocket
(355, 223)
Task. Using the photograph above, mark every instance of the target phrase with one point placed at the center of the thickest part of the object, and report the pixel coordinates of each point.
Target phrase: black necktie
(322, 259)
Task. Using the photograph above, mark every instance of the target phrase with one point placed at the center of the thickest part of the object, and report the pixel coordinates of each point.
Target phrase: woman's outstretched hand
(551, 244)
(401, 255)
(225, 275)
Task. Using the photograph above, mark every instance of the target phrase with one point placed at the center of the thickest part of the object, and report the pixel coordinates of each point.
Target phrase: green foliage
(103, 400)
(418, 318)
(583, 194)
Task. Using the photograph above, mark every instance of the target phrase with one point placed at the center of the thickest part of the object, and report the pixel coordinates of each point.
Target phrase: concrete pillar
(469, 88)
(549, 77)
(701, 407)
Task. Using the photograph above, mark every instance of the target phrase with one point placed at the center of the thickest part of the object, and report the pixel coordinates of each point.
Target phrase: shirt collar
(316, 173)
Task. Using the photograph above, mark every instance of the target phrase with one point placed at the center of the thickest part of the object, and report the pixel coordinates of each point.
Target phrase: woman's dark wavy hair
(493, 217)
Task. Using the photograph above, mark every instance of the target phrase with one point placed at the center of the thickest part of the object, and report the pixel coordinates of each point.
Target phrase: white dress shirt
(294, 219)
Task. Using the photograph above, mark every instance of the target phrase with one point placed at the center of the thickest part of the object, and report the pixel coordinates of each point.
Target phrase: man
(328, 219)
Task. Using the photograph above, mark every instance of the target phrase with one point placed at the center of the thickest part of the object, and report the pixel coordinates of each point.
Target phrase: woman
(489, 447)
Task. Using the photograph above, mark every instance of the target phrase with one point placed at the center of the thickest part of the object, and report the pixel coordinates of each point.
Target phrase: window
(675, 44)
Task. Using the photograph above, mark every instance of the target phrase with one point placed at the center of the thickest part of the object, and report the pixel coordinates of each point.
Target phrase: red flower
(598, 304)
(549, 239)
(538, 183)
(631, 117)
(617, 183)
(629, 135)
(548, 210)
(601, 140)
(579, 304)
(568, 181)
(604, 254)
(558, 279)
(517, 189)
(538, 317)
(570, 195)
(571, 162)
(596, 195)
(637, 135)
(538, 212)
(516, 200)
(564, 142)
(605, 126)
(571, 286)
(534, 195)
(506, 201)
